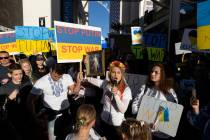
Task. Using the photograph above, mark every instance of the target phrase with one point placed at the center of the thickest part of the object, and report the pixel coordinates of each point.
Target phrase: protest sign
(31, 39)
(164, 114)
(203, 37)
(154, 54)
(7, 42)
(74, 40)
(179, 51)
(155, 40)
(136, 35)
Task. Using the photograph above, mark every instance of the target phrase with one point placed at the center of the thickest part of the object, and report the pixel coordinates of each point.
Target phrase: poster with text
(75, 40)
(32, 39)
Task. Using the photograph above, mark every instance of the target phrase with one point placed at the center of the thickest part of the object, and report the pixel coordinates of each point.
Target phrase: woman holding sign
(115, 100)
(158, 87)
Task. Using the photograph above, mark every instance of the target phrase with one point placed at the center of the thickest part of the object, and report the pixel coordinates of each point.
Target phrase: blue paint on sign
(203, 16)
(7, 38)
(75, 35)
(31, 33)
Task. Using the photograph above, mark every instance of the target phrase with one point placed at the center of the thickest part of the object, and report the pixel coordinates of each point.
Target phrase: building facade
(28, 12)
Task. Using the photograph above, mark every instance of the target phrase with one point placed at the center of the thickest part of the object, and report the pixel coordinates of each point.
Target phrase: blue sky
(98, 16)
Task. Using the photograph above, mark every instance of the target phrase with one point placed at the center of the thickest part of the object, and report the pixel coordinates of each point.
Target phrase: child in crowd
(85, 120)
(132, 129)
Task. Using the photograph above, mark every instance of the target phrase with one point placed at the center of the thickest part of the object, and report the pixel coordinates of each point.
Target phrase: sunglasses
(1, 58)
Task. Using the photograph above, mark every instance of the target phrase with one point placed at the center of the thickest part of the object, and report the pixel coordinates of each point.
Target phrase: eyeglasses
(1, 58)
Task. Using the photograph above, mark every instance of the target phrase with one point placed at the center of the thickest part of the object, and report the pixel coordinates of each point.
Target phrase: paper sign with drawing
(165, 115)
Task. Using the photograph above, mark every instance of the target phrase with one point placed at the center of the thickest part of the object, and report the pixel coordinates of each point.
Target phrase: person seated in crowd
(85, 120)
(132, 129)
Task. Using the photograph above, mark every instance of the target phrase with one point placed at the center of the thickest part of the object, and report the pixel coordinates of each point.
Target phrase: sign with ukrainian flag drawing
(164, 115)
(32, 39)
(136, 35)
(203, 23)
(75, 40)
(7, 42)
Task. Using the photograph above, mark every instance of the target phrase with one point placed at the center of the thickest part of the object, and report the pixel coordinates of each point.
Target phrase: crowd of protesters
(38, 96)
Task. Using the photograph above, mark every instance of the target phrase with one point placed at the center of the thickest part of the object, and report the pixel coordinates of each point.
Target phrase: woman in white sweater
(156, 86)
(115, 99)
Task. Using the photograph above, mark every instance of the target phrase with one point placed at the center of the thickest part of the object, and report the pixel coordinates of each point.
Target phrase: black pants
(109, 131)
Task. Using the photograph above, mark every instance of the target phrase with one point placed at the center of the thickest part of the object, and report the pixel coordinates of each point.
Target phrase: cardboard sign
(165, 115)
(74, 40)
(179, 51)
(31, 39)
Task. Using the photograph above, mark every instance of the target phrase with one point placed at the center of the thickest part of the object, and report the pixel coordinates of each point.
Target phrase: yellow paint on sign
(9, 47)
(203, 37)
(29, 47)
(67, 51)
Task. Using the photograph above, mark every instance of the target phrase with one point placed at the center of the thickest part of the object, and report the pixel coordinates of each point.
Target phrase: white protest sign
(165, 115)
(179, 51)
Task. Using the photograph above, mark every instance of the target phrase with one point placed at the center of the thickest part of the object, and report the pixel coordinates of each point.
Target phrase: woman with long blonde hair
(115, 99)
(27, 68)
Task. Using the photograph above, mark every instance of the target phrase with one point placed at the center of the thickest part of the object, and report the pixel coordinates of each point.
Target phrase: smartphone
(193, 97)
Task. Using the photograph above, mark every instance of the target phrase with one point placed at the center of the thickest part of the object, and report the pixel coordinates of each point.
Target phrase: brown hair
(135, 130)
(86, 113)
(164, 85)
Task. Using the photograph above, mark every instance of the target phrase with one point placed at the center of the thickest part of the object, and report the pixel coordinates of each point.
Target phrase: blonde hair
(86, 113)
(136, 130)
(31, 77)
(22, 61)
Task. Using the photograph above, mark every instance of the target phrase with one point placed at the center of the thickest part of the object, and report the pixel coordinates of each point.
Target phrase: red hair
(122, 85)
